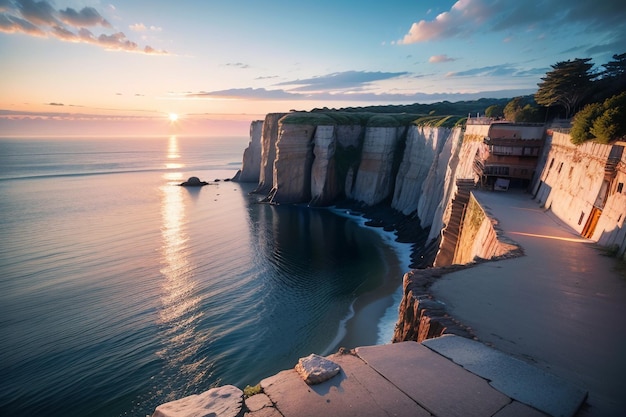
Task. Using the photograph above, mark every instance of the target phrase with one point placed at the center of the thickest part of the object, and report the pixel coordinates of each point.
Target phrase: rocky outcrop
(421, 317)
(224, 401)
(251, 163)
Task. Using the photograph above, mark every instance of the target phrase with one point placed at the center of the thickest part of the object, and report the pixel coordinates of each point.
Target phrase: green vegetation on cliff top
(441, 114)
(341, 118)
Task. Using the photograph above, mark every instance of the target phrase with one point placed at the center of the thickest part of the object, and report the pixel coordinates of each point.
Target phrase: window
(495, 170)
(620, 187)
(560, 166)
(582, 216)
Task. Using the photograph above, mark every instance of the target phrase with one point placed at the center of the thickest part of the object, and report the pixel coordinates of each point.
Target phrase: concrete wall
(573, 182)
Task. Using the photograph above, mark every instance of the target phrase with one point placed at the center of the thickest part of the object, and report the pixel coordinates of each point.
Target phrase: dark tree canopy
(566, 85)
(522, 109)
(604, 122)
(612, 80)
(495, 110)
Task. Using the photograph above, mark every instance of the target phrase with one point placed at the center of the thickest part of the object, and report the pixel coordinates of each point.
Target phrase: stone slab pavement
(562, 306)
(411, 379)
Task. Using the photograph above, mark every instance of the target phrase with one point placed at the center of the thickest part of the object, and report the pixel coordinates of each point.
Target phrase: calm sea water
(120, 290)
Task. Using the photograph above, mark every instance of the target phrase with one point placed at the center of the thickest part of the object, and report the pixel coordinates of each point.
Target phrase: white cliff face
(421, 154)
(268, 152)
(324, 181)
(251, 164)
(374, 179)
(460, 154)
(293, 163)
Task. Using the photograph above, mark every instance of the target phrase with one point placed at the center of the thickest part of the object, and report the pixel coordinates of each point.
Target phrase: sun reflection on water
(180, 303)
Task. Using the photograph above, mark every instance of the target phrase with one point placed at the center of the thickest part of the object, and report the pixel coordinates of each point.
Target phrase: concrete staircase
(452, 231)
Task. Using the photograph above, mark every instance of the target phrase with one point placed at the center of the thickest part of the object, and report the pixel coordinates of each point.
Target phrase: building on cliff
(511, 154)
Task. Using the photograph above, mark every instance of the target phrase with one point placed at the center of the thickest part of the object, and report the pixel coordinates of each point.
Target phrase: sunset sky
(116, 67)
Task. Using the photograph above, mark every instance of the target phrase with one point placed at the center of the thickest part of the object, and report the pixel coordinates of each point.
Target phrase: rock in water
(194, 182)
(315, 369)
(226, 401)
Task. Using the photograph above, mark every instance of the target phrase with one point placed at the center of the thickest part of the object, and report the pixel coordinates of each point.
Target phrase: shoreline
(379, 305)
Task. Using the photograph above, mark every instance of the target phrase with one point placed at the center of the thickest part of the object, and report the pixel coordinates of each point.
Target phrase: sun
(173, 117)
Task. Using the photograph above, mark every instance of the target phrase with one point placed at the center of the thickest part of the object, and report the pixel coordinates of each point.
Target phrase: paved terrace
(562, 306)
(448, 376)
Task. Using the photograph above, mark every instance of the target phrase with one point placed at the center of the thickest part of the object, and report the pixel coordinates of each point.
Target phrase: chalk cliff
(251, 163)
(407, 168)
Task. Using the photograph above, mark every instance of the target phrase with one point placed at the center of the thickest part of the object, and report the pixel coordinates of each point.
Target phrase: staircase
(452, 231)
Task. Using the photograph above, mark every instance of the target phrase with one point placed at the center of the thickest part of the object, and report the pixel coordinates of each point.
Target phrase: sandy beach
(374, 313)
(562, 306)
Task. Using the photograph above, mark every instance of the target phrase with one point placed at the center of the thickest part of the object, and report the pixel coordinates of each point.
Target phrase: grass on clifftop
(370, 119)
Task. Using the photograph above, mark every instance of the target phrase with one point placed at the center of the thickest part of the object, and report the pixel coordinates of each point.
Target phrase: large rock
(315, 369)
(226, 401)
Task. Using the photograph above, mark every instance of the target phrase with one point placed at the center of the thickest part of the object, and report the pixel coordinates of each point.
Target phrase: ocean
(120, 290)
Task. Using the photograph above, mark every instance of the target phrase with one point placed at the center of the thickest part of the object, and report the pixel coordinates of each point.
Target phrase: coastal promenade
(551, 330)
(561, 306)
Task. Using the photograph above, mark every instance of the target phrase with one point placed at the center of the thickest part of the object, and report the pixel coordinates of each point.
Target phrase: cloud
(40, 18)
(140, 27)
(38, 13)
(88, 16)
(264, 94)
(238, 65)
(504, 70)
(341, 80)
(467, 17)
(436, 59)
(247, 93)
(14, 24)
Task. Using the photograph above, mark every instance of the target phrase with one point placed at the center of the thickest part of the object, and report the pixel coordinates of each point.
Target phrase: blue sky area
(219, 64)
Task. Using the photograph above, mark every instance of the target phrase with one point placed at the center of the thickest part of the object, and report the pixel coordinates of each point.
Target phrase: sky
(78, 67)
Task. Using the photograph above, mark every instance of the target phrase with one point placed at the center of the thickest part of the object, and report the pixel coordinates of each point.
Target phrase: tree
(603, 121)
(494, 111)
(583, 121)
(566, 85)
(521, 109)
(615, 69)
(611, 124)
(612, 80)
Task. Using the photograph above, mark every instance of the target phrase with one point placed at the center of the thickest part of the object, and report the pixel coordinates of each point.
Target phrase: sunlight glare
(173, 117)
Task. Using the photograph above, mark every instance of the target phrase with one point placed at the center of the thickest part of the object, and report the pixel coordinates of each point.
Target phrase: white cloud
(436, 59)
(138, 27)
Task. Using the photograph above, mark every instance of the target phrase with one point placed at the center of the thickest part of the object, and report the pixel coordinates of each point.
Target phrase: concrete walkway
(449, 376)
(561, 306)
